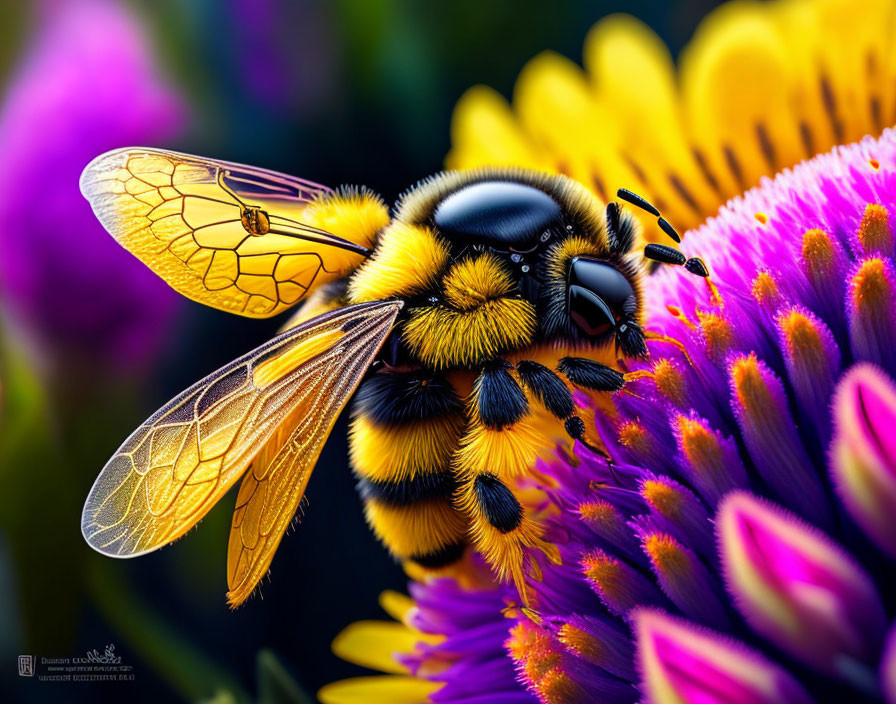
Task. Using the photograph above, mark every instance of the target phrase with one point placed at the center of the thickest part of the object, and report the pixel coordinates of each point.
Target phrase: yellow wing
(272, 489)
(226, 235)
(178, 464)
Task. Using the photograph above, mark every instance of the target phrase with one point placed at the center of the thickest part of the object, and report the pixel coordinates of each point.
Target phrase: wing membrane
(178, 464)
(272, 489)
(226, 235)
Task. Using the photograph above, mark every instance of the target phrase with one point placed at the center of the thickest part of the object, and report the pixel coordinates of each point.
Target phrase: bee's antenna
(642, 203)
(659, 252)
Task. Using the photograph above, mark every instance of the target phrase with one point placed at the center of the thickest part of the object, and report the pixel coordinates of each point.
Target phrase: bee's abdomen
(404, 433)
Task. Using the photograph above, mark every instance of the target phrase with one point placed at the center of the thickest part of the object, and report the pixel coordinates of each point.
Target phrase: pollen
(875, 232)
(522, 637)
(669, 381)
(761, 217)
(717, 333)
(599, 514)
(699, 445)
(765, 289)
(803, 339)
(533, 648)
(557, 687)
(634, 436)
(875, 164)
(818, 253)
(580, 642)
(666, 555)
(870, 288)
(664, 498)
(750, 386)
(605, 573)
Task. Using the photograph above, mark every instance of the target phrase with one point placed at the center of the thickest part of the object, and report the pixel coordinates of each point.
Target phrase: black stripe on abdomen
(441, 557)
(423, 487)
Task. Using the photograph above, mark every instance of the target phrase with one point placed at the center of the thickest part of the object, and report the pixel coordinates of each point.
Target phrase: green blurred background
(350, 91)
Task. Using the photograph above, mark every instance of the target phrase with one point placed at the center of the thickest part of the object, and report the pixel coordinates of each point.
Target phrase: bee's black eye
(598, 295)
(501, 214)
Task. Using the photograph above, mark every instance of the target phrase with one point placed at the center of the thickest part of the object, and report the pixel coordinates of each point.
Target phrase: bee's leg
(551, 391)
(405, 429)
(501, 445)
(591, 375)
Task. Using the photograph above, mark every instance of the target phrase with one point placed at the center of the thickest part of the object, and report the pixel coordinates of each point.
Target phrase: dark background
(370, 90)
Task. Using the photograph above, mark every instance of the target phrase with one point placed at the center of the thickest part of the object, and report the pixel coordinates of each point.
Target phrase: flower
(760, 87)
(734, 545)
(86, 83)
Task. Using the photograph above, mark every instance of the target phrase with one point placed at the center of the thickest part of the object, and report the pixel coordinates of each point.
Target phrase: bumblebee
(461, 322)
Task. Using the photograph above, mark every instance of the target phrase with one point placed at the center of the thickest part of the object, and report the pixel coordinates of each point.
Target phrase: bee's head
(601, 301)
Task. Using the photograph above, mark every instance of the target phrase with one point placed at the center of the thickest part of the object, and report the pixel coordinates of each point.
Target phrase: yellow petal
(374, 644)
(737, 83)
(633, 75)
(396, 604)
(484, 132)
(394, 689)
(559, 113)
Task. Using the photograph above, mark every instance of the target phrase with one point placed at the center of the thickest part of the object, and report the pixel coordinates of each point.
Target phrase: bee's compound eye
(501, 214)
(597, 295)
(589, 312)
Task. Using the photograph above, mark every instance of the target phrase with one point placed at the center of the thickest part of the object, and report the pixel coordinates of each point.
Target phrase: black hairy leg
(500, 445)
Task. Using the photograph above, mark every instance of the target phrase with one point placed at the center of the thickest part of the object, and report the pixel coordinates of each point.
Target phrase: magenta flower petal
(682, 663)
(797, 587)
(863, 455)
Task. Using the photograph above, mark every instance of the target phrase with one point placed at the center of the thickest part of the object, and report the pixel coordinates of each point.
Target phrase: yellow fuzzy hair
(417, 529)
(442, 337)
(561, 253)
(472, 282)
(354, 215)
(395, 453)
(408, 259)
(508, 452)
(505, 552)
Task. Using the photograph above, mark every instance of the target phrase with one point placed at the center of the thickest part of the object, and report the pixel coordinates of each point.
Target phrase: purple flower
(736, 545)
(86, 83)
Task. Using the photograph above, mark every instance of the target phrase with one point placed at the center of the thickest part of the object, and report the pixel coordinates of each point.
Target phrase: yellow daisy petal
(395, 689)
(633, 74)
(396, 604)
(737, 81)
(557, 109)
(760, 87)
(484, 132)
(374, 644)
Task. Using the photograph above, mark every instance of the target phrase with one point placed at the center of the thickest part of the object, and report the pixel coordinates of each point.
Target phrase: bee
(461, 322)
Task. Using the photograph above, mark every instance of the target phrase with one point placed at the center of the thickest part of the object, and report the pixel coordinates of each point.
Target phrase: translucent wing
(273, 487)
(226, 235)
(176, 466)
